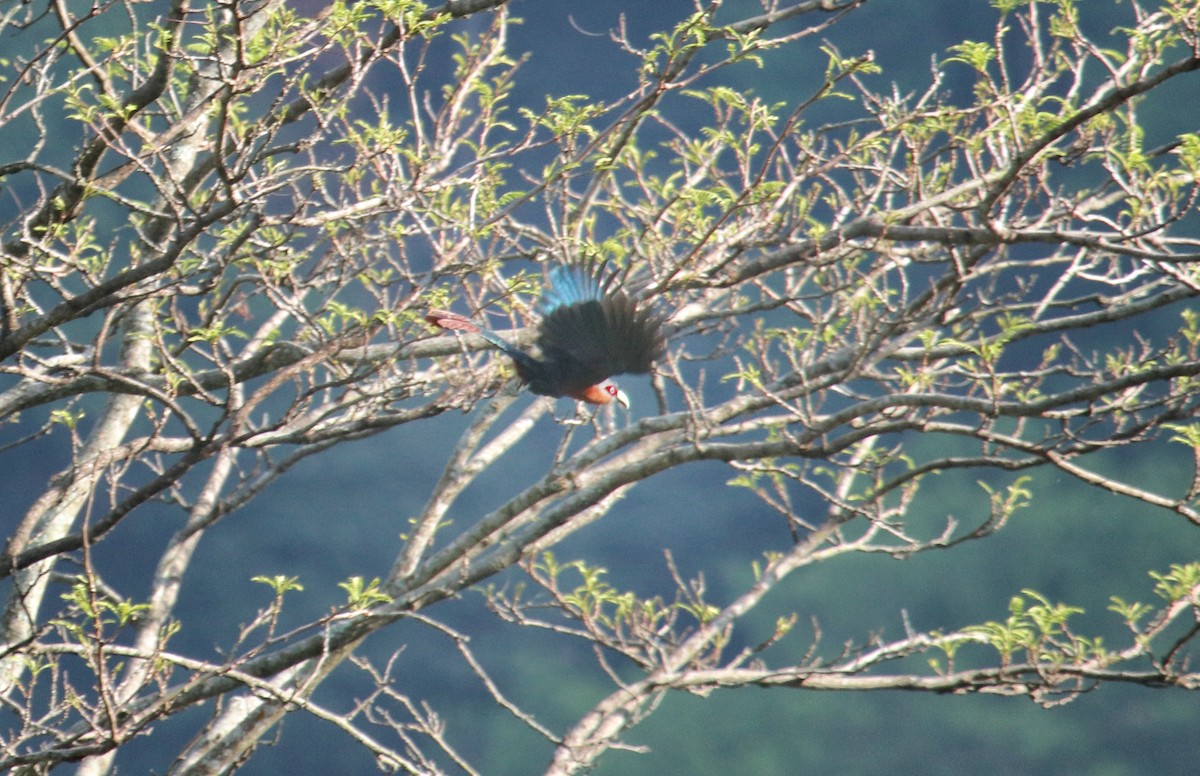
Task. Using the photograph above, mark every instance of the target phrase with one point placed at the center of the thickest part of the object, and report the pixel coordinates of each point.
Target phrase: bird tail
(444, 319)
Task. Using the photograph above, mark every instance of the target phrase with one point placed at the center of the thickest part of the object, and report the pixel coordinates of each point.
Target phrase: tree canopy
(223, 223)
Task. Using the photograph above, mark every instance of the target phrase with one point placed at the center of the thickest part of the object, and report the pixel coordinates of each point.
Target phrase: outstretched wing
(591, 331)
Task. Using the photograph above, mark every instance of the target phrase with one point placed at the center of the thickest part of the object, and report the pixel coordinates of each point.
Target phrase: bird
(590, 330)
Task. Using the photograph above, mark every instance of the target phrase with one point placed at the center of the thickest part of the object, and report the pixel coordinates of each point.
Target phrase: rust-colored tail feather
(444, 319)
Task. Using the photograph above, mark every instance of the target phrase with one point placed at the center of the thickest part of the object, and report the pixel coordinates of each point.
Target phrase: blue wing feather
(570, 285)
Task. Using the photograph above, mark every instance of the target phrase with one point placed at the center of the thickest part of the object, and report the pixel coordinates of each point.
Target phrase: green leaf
(363, 595)
(279, 583)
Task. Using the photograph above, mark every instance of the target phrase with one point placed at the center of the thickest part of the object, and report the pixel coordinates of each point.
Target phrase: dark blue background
(339, 515)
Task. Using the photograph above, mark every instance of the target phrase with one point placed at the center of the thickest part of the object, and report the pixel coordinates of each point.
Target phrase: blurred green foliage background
(339, 515)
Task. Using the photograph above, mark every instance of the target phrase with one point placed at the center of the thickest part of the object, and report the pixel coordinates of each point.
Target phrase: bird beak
(623, 399)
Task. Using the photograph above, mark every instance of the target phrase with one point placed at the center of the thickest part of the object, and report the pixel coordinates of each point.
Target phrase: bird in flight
(590, 330)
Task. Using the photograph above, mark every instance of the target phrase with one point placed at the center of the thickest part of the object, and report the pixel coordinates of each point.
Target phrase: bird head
(604, 392)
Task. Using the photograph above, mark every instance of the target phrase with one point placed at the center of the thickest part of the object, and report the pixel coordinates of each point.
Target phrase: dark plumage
(589, 332)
